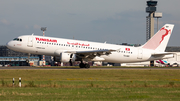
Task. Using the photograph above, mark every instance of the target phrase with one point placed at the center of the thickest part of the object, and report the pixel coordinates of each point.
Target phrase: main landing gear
(84, 65)
(70, 61)
(27, 60)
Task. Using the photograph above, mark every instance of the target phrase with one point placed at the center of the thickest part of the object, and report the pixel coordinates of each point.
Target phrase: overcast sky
(114, 21)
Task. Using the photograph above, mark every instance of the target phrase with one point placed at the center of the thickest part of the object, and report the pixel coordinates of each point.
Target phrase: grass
(85, 84)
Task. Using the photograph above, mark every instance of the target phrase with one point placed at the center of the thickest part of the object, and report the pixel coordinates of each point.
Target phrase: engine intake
(65, 57)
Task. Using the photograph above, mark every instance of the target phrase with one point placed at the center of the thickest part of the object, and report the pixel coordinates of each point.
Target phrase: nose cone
(9, 44)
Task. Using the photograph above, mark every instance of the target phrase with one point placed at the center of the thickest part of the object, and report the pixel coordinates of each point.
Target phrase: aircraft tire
(81, 65)
(87, 66)
(27, 60)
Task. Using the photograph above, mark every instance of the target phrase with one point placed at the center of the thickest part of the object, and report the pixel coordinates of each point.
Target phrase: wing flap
(91, 53)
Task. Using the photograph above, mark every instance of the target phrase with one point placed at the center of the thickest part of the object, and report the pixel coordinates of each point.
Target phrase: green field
(87, 84)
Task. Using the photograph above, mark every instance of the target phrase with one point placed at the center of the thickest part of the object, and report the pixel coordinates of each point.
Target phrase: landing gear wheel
(81, 65)
(87, 65)
(27, 60)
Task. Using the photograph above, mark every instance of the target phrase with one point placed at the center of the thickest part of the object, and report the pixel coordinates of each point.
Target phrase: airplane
(69, 50)
(162, 62)
(168, 62)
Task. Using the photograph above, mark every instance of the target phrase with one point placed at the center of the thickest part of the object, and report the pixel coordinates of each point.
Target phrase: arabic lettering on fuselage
(47, 40)
(80, 44)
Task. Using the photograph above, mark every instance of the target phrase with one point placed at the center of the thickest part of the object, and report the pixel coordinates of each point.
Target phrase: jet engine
(65, 57)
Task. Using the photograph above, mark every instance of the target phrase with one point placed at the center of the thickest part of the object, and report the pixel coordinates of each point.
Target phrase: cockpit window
(17, 39)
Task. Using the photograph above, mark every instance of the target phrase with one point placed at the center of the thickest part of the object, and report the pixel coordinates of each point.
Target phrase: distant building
(6, 52)
(13, 58)
(172, 49)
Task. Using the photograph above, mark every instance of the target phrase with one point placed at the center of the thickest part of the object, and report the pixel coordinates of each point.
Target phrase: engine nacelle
(65, 57)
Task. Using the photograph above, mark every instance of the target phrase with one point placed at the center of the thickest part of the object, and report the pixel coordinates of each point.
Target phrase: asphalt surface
(99, 68)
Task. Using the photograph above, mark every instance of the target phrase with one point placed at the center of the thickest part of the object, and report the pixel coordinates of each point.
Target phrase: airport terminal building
(12, 58)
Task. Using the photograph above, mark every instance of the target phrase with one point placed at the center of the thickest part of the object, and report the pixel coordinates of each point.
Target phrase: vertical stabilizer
(160, 39)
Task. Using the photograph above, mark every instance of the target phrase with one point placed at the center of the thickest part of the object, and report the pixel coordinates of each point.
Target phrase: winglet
(160, 39)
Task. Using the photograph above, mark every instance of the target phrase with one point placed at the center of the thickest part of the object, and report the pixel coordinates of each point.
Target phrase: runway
(93, 68)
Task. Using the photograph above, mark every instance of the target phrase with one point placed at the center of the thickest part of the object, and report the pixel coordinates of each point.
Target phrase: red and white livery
(69, 50)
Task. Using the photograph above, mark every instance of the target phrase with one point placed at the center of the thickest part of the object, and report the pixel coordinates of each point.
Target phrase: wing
(91, 53)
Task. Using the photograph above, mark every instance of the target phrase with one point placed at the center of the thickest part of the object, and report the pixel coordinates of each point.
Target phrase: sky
(111, 21)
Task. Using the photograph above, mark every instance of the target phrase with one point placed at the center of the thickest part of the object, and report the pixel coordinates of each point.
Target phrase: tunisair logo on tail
(167, 32)
(157, 39)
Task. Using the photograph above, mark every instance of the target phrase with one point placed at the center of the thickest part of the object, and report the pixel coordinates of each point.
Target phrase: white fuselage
(51, 46)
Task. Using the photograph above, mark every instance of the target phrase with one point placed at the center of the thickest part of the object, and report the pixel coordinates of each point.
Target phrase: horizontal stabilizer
(163, 55)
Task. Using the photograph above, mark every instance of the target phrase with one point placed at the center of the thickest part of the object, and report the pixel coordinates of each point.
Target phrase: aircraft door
(140, 54)
(178, 57)
(30, 42)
